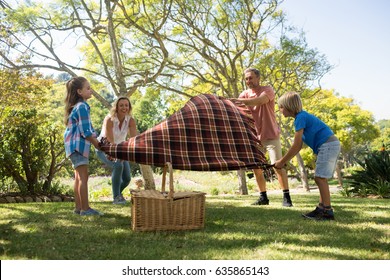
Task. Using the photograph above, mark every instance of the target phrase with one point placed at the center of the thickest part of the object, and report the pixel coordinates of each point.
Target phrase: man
(261, 102)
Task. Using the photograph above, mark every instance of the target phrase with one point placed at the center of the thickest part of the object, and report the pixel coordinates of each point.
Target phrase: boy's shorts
(328, 154)
(78, 159)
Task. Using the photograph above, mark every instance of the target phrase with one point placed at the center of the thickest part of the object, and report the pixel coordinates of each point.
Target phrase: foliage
(374, 178)
(188, 49)
(234, 230)
(148, 109)
(383, 141)
(180, 48)
(29, 146)
(353, 126)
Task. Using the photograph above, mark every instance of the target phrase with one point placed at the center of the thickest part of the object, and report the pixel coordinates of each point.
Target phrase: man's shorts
(274, 149)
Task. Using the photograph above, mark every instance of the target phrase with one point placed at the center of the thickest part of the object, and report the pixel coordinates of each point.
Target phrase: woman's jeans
(120, 177)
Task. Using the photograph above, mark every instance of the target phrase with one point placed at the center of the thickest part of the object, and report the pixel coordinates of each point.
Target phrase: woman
(117, 126)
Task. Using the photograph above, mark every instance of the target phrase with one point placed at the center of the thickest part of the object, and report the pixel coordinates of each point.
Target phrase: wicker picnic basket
(152, 210)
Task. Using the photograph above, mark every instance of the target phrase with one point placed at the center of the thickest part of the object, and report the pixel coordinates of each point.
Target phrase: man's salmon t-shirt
(263, 115)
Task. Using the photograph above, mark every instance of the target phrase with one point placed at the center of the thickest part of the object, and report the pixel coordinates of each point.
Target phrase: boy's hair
(254, 70)
(114, 108)
(72, 96)
(291, 101)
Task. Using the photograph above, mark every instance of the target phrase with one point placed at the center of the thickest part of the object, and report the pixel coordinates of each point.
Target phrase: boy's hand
(279, 164)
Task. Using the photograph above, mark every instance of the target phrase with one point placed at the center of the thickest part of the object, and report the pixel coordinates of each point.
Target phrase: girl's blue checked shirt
(78, 129)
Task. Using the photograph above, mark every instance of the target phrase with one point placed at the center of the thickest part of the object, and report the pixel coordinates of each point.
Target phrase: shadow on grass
(233, 230)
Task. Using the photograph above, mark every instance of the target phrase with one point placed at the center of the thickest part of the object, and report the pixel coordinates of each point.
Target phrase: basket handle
(168, 166)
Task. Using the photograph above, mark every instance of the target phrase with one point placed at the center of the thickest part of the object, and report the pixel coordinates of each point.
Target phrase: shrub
(214, 191)
(374, 178)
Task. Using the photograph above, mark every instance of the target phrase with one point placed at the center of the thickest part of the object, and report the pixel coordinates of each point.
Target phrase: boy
(318, 136)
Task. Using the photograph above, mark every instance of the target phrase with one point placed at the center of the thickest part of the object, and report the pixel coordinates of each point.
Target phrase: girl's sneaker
(76, 211)
(91, 212)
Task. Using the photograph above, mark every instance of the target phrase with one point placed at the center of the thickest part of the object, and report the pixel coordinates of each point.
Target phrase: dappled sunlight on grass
(234, 229)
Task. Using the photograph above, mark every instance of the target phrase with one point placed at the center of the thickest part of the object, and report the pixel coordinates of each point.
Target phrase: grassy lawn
(234, 230)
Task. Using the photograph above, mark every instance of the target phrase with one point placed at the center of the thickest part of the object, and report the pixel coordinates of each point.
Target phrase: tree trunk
(339, 173)
(120, 81)
(242, 187)
(147, 174)
(303, 173)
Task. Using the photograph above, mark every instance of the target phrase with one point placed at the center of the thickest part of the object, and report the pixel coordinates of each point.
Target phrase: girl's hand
(98, 147)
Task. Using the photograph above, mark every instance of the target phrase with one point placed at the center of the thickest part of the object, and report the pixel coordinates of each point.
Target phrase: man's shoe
(287, 202)
(261, 201)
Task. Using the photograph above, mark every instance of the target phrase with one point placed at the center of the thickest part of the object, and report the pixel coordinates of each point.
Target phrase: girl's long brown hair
(72, 96)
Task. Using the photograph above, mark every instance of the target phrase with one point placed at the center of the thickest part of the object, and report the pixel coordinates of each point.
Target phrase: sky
(354, 35)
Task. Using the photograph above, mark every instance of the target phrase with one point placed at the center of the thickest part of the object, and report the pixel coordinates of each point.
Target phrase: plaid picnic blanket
(210, 133)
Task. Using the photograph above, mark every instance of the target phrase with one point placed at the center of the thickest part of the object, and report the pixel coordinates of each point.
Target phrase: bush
(214, 191)
(374, 178)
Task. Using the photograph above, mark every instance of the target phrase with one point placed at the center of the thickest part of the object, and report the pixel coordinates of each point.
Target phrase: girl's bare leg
(83, 189)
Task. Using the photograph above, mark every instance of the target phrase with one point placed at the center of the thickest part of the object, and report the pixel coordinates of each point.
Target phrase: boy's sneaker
(313, 215)
(320, 214)
(261, 201)
(287, 201)
(327, 215)
(76, 211)
(91, 212)
(119, 200)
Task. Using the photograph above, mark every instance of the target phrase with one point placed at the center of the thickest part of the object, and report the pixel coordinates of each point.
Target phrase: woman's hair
(114, 108)
(72, 96)
(291, 101)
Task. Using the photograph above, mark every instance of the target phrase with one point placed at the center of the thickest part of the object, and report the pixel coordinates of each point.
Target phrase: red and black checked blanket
(209, 133)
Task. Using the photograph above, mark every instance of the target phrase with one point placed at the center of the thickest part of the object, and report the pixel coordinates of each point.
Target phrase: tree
(29, 150)
(181, 48)
(382, 142)
(152, 103)
(353, 126)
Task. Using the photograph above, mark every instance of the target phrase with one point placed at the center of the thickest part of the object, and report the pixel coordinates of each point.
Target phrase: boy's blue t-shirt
(315, 131)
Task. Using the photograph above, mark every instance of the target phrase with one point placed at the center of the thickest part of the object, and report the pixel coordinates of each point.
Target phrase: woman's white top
(120, 133)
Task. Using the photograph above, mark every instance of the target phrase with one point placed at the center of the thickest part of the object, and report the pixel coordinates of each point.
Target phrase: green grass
(233, 230)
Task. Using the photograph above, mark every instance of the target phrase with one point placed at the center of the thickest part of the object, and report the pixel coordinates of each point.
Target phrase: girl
(117, 126)
(78, 136)
(318, 136)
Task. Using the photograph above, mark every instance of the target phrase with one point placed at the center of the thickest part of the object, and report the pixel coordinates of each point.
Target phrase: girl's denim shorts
(78, 159)
(327, 157)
